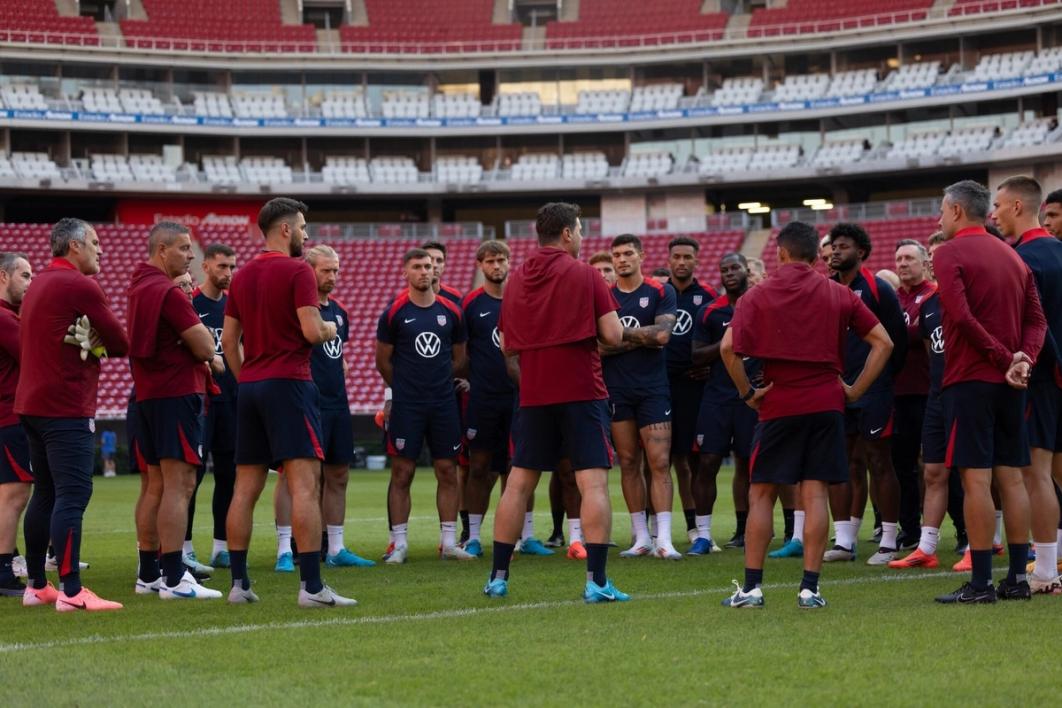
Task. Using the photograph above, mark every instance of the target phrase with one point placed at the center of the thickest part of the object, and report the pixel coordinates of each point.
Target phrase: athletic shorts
(986, 425)
(171, 429)
(137, 463)
(871, 416)
(544, 435)
(725, 427)
(1043, 415)
(337, 436)
(646, 406)
(277, 420)
(410, 423)
(219, 429)
(462, 398)
(934, 432)
(685, 407)
(15, 460)
(798, 448)
(488, 422)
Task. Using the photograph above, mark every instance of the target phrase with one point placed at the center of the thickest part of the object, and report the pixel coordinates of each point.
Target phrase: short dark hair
(734, 254)
(278, 209)
(553, 218)
(165, 233)
(435, 246)
(1029, 189)
(1054, 197)
(413, 254)
(65, 231)
(218, 249)
(994, 230)
(601, 257)
(800, 240)
(856, 233)
(684, 241)
(661, 273)
(625, 239)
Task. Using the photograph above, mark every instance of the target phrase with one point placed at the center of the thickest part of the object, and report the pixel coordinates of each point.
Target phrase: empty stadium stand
(614, 23)
(465, 25)
(39, 22)
(205, 25)
(804, 16)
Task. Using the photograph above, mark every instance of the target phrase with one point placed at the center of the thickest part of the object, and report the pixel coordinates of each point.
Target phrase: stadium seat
(1029, 133)
(738, 91)
(406, 104)
(619, 23)
(101, 100)
(344, 104)
(211, 104)
(912, 76)
(965, 141)
(611, 101)
(236, 25)
(805, 16)
(151, 168)
(265, 170)
(991, 67)
(519, 104)
(111, 168)
(535, 166)
(838, 153)
(584, 165)
(393, 170)
(259, 104)
(648, 164)
(42, 24)
(458, 170)
(455, 105)
(802, 87)
(34, 165)
(420, 26)
(852, 83)
(345, 170)
(23, 96)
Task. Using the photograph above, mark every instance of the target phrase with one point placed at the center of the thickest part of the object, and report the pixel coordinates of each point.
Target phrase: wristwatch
(748, 396)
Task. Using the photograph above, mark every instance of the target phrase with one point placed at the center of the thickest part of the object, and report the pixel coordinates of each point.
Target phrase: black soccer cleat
(738, 541)
(555, 540)
(1012, 590)
(12, 587)
(961, 544)
(968, 595)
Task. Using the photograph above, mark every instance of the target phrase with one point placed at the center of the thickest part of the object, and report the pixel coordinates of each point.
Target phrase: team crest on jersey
(697, 299)
(858, 293)
(92, 425)
(700, 440)
(441, 319)
(400, 443)
(918, 300)
(471, 433)
(644, 302)
(339, 320)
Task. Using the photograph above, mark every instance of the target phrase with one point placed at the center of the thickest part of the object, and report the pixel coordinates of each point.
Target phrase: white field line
(419, 617)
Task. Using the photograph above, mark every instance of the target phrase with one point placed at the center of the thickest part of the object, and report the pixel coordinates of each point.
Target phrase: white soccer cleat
(188, 589)
(667, 553)
(18, 567)
(1051, 586)
(326, 598)
(144, 587)
(882, 557)
(638, 550)
(398, 555)
(52, 565)
(838, 553)
(239, 596)
(455, 553)
(691, 534)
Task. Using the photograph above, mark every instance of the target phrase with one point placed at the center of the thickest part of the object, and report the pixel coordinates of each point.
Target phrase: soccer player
(168, 352)
(796, 323)
(273, 307)
(329, 370)
(757, 271)
(662, 275)
(602, 261)
(1052, 216)
(555, 312)
(219, 429)
(56, 399)
(994, 329)
(910, 388)
(636, 379)
(868, 422)
(1015, 208)
(437, 251)
(16, 478)
(725, 423)
(686, 381)
(420, 341)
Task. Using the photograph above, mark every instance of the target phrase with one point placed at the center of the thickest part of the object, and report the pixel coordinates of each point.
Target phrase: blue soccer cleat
(740, 599)
(220, 560)
(594, 593)
(285, 563)
(348, 559)
(496, 588)
(793, 548)
(533, 547)
(474, 548)
(700, 547)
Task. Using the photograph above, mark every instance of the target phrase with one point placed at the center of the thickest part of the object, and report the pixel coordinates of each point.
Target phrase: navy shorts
(578, 430)
(277, 420)
(934, 432)
(798, 448)
(219, 428)
(337, 436)
(725, 427)
(171, 429)
(489, 422)
(871, 416)
(1043, 415)
(646, 406)
(986, 425)
(15, 460)
(410, 423)
(685, 407)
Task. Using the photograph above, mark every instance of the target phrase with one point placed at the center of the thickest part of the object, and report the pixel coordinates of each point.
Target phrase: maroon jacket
(990, 306)
(53, 381)
(913, 378)
(9, 330)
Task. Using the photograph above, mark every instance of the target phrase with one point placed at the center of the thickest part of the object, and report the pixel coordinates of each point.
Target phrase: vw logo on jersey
(630, 322)
(441, 319)
(494, 337)
(683, 321)
(428, 344)
(907, 319)
(697, 300)
(936, 340)
(334, 348)
(643, 302)
(216, 331)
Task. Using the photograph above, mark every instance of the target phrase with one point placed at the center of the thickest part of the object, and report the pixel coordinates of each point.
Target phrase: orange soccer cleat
(37, 598)
(965, 565)
(577, 551)
(85, 600)
(916, 559)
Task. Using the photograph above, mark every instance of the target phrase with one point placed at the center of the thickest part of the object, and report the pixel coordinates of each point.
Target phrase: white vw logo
(428, 344)
(494, 338)
(683, 322)
(334, 348)
(936, 340)
(630, 322)
(216, 331)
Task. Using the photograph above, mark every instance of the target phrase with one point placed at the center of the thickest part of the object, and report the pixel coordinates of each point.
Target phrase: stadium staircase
(755, 243)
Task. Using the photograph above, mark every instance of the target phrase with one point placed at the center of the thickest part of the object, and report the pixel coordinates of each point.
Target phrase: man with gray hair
(994, 329)
(168, 351)
(56, 398)
(15, 474)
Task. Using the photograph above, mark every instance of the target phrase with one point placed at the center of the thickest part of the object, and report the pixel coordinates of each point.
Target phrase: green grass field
(424, 634)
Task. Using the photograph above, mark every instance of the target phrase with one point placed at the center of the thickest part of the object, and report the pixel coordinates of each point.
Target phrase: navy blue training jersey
(212, 315)
(710, 324)
(423, 338)
(882, 300)
(930, 322)
(1043, 254)
(326, 360)
(487, 374)
(680, 348)
(644, 367)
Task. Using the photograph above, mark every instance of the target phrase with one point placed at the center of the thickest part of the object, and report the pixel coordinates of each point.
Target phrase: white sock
(843, 531)
(639, 528)
(1046, 560)
(798, 525)
(1059, 537)
(283, 540)
(704, 526)
(856, 525)
(188, 548)
(927, 542)
(663, 528)
(335, 539)
(474, 522)
(220, 546)
(997, 540)
(652, 526)
(448, 534)
(575, 531)
(888, 534)
(398, 534)
(529, 526)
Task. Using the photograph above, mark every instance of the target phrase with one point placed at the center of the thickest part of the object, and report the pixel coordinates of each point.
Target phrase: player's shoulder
(395, 306)
(654, 284)
(449, 305)
(337, 304)
(472, 297)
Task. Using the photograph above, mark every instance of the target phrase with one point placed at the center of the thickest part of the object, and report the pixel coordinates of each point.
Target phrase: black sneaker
(967, 595)
(200, 577)
(961, 544)
(736, 541)
(877, 535)
(12, 587)
(1012, 590)
(556, 540)
(464, 537)
(907, 542)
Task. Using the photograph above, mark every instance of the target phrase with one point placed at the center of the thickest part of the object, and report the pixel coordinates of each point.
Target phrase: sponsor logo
(428, 344)
(333, 348)
(441, 319)
(495, 338)
(643, 302)
(410, 319)
(457, 447)
(484, 314)
(216, 331)
(876, 431)
(667, 412)
(630, 322)
(727, 323)
(907, 319)
(683, 322)
(936, 340)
